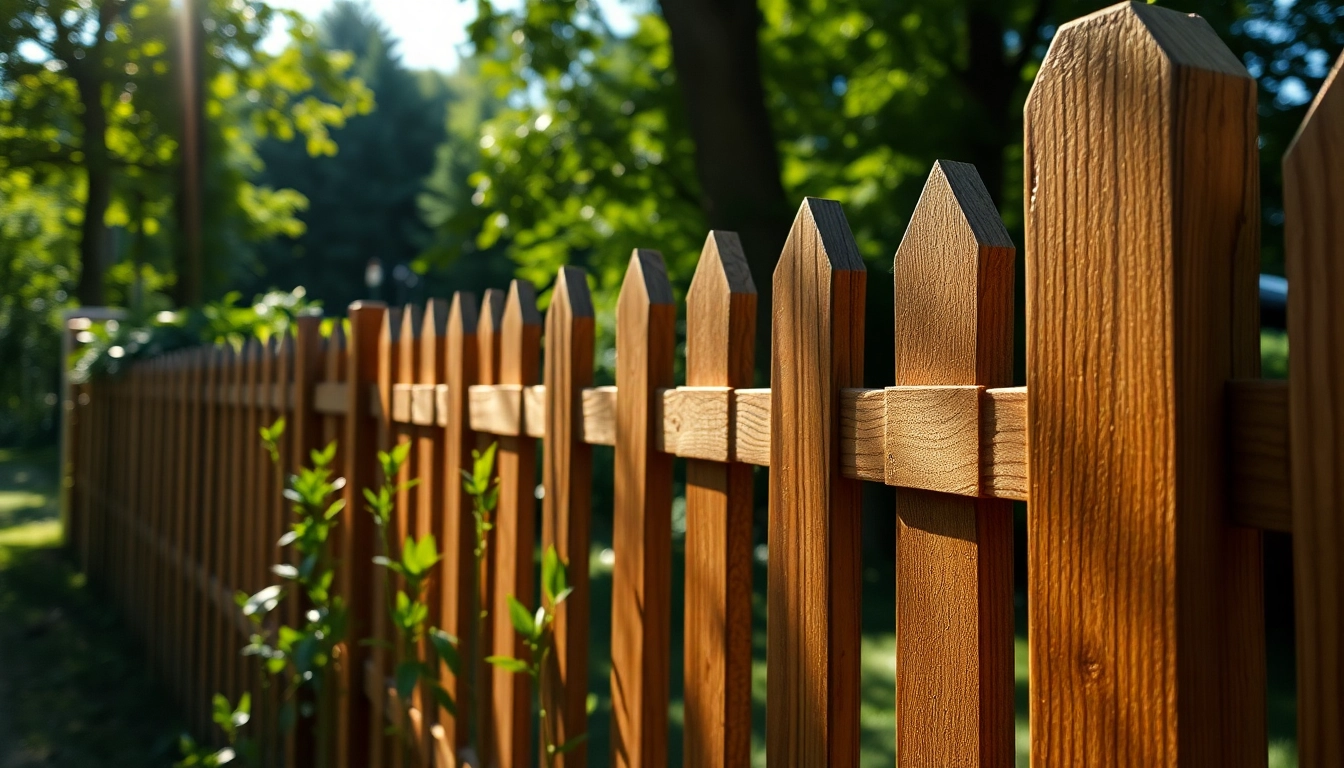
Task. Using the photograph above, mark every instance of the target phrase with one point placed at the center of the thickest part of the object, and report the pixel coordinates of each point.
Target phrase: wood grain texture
(953, 275)
(751, 426)
(567, 474)
(1141, 177)
(812, 710)
(1314, 257)
(598, 425)
(515, 532)
(720, 355)
(863, 434)
(641, 581)
(932, 438)
(695, 422)
(1259, 477)
(496, 409)
(457, 571)
(1003, 443)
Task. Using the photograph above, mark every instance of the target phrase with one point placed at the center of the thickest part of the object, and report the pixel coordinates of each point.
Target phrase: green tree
(362, 203)
(88, 87)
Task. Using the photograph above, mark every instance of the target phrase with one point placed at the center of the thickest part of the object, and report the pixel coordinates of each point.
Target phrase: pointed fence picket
(1150, 454)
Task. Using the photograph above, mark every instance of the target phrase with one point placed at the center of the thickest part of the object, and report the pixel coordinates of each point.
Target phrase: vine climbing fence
(1150, 455)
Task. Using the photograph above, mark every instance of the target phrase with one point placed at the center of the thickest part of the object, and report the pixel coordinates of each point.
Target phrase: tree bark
(93, 240)
(716, 52)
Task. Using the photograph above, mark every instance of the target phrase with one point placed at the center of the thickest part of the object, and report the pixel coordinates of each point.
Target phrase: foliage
(419, 647)
(363, 201)
(535, 629)
(111, 346)
(229, 719)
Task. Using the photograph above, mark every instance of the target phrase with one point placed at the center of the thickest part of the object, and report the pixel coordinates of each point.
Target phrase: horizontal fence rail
(1149, 453)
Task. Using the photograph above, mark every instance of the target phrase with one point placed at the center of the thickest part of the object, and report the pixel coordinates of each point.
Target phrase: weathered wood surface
(953, 277)
(720, 354)
(567, 469)
(1314, 257)
(1140, 174)
(812, 711)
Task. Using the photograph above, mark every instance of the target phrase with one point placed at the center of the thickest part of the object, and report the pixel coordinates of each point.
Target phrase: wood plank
(515, 541)
(329, 398)
(1260, 490)
(488, 350)
(1314, 257)
(641, 582)
(381, 747)
(435, 485)
(953, 275)
(457, 573)
(1143, 242)
(534, 410)
(720, 354)
(401, 402)
(1003, 443)
(567, 474)
(751, 438)
(496, 409)
(598, 425)
(695, 422)
(812, 711)
(863, 434)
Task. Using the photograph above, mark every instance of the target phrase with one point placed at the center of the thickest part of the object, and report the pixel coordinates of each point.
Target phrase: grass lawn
(73, 690)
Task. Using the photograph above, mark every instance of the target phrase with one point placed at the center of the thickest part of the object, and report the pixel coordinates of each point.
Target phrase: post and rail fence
(1150, 454)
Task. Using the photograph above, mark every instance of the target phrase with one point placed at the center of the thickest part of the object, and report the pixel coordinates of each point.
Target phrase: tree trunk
(716, 53)
(187, 292)
(93, 240)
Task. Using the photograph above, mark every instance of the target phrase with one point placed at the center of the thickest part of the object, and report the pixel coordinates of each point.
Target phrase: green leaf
(564, 593)
(263, 601)
(408, 674)
(243, 712)
(399, 454)
(445, 646)
(445, 700)
(553, 577)
(427, 552)
(285, 571)
(520, 616)
(507, 663)
(335, 508)
(483, 466)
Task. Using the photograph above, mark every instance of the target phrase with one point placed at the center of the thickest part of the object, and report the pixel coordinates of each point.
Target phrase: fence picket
(515, 532)
(1312, 170)
(380, 747)
(812, 711)
(641, 581)
(567, 468)
(720, 352)
(1142, 237)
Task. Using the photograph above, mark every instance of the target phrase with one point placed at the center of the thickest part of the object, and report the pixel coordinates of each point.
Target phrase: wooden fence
(1150, 453)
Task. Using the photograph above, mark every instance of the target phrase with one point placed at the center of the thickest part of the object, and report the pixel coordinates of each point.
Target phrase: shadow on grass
(74, 690)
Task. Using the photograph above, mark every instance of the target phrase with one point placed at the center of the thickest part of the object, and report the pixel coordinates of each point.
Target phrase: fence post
(812, 712)
(953, 277)
(1141, 181)
(567, 469)
(488, 333)
(515, 531)
(381, 752)
(720, 352)
(641, 517)
(1313, 198)
(429, 450)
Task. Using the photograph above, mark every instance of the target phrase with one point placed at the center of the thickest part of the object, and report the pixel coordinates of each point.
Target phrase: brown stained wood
(401, 403)
(933, 438)
(1141, 180)
(434, 486)
(751, 438)
(953, 275)
(489, 339)
(496, 409)
(1258, 471)
(641, 581)
(381, 660)
(1314, 257)
(1003, 443)
(695, 422)
(567, 471)
(329, 398)
(720, 354)
(515, 532)
(457, 571)
(812, 710)
(863, 434)
(598, 426)
(212, 510)
(534, 410)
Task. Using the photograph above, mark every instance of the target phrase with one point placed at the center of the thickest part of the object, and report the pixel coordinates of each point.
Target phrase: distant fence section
(1150, 455)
